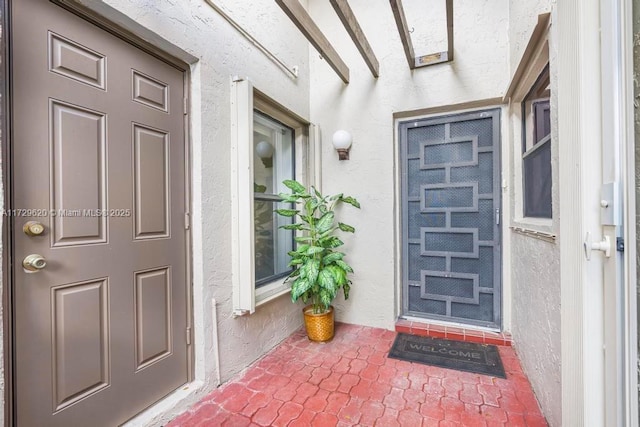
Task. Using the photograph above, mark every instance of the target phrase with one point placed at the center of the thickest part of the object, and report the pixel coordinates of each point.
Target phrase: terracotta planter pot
(319, 326)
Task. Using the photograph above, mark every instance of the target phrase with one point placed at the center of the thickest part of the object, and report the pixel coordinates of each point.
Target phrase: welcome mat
(462, 356)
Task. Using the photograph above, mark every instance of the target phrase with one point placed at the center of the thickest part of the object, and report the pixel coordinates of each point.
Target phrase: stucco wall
(365, 108)
(535, 267)
(523, 16)
(194, 27)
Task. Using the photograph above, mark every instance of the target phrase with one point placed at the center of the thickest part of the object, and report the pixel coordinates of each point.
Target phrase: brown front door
(99, 160)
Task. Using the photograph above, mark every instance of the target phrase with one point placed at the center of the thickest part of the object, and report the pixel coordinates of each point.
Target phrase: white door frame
(595, 111)
(620, 327)
(579, 109)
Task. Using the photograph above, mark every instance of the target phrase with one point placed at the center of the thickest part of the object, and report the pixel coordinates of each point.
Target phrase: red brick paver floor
(350, 381)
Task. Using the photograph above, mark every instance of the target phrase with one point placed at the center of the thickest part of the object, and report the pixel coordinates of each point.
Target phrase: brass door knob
(33, 228)
(34, 262)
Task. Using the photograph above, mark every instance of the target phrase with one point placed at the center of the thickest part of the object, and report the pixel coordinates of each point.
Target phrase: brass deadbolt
(33, 228)
(34, 262)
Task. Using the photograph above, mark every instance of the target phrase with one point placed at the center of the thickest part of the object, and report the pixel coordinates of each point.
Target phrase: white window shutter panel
(243, 257)
(315, 156)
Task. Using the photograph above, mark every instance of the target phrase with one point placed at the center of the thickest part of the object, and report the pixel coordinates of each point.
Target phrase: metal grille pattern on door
(450, 210)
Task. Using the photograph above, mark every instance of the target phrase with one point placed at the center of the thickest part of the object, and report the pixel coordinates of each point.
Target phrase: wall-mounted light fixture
(265, 152)
(341, 142)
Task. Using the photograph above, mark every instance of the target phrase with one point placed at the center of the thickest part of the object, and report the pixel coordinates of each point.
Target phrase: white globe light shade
(342, 140)
(264, 150)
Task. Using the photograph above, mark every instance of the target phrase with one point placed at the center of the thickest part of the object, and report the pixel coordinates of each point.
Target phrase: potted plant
(319, 269)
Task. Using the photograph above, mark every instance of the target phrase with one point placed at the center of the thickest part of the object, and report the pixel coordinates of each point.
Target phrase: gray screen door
(450, 218)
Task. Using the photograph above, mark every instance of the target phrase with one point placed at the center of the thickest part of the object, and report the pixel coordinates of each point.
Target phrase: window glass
(536, 147)
(273, 151)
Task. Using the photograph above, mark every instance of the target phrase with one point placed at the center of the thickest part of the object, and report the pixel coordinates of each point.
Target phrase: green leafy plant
(319, 269)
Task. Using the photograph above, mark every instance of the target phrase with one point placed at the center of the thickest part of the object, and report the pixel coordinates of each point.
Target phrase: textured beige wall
(523, 16)
(365, 108)
(535, 266)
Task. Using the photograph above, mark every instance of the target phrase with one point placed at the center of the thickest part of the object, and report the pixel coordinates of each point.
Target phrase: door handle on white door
(604, 246)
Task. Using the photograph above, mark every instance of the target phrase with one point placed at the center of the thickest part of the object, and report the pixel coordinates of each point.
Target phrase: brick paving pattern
(351, 382)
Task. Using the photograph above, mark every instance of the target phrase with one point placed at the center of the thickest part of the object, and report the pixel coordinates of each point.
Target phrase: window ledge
(537, 234)
(271, 291)
(540, 224)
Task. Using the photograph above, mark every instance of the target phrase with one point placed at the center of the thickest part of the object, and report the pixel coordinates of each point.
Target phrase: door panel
(153, 316)
(151, 157)
(76, 61)
(77, 133)
(80, 334)
(99, 159)
(150, 92)
(451, 202)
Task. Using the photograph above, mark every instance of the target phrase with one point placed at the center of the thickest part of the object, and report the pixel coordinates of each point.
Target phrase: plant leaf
(299, 287)
(325, 222)
(297, 226)
(313, 270)
(287, 212)
(353, 202)
(294, 273)
(326, 297)
(346, 227)
(327, 281)
(290, 198)
(294, 185)
(346, 267)
(338, 274)
(332, 257)
(346, 288)
(314, 250)
(331, 242)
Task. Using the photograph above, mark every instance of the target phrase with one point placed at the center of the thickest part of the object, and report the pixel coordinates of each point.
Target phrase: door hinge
(188, 336)
(185, 105)
(187, 220)
(498, 216)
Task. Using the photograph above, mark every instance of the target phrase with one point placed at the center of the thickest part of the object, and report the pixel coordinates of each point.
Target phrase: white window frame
(244, 100)
(531, 66)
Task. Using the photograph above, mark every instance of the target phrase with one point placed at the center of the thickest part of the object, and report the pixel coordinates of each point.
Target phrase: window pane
(273, 154)
(542, 120)
(536, 146)
(273, 162)
(537, 182)
(536, 112)
(271, 243)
